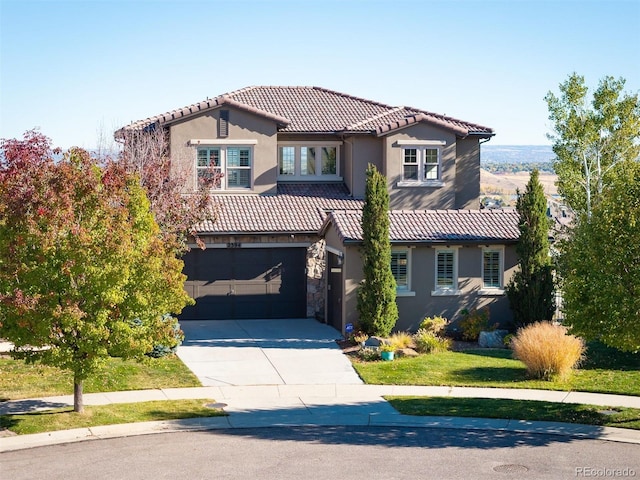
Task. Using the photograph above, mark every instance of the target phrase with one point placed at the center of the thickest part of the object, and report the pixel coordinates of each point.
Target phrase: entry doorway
(334, 291)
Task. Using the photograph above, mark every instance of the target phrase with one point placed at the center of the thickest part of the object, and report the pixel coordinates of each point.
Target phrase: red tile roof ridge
(257, 111)
(375, 117)
(449, 119)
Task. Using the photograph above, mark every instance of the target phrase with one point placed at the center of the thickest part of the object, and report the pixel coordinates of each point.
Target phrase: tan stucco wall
(409, 198)
(242, 126)
(412, 309)
(468, 174)
(360, 151)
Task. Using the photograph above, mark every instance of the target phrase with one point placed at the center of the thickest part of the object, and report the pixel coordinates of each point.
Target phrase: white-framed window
(309, 161)
(401, 270)
(446, 272)
(421, 163)
(207, 165)
(492, 270)
(235, 163)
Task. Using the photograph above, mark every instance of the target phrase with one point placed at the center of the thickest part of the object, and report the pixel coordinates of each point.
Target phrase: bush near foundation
(547, 350)
(475, 321)
(427, 342)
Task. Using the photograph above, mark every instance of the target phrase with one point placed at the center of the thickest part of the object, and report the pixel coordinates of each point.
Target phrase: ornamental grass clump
(401, 340)
(547, 350)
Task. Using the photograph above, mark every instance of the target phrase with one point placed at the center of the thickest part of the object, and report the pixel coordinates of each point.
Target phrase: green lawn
(21, 380)
(518, 410)
(605, 371)
(65, 419)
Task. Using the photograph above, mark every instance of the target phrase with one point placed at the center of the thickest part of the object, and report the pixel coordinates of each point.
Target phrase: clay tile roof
(435, 226)
(318, 110)
(296, 208)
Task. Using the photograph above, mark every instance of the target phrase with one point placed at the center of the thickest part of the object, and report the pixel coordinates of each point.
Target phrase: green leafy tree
(84, 271)
(589, 139)
(601, 265)
(377, 292)
(531, 291)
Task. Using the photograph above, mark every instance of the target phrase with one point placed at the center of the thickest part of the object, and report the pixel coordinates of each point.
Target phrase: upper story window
(421, 163)
(446, 278)
(233, 162)
(308, 161)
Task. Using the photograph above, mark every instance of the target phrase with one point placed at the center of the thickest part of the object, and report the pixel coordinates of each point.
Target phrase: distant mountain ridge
(516, 154)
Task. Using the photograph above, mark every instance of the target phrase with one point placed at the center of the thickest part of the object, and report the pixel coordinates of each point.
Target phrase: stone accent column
(316, 268)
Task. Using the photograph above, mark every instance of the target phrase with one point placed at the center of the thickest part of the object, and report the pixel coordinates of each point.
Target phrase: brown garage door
(243, 283)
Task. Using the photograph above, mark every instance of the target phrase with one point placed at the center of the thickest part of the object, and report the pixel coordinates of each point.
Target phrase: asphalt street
(327, 453)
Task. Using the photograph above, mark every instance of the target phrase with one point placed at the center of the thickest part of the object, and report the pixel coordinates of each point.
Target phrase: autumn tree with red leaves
(85, 272)
(145, 153)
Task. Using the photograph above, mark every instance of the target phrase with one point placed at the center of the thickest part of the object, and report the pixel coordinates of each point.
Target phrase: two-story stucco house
(286, 243)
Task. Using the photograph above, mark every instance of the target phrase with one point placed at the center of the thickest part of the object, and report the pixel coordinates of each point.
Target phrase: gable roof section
(317, 110)
(434, 226)
(296, 208)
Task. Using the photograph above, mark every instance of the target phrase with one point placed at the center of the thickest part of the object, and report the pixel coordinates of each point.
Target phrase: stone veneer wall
(315, 263)
(316, 268)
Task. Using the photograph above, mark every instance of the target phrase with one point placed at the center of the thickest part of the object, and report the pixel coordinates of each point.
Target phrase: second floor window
(301, 161)
(421, 164)
(234, 163)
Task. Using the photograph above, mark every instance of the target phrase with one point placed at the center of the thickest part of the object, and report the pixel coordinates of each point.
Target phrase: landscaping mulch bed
(350, 348)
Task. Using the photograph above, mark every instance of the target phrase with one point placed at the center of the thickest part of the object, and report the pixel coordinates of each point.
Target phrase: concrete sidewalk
(317, 405)
(291, 372)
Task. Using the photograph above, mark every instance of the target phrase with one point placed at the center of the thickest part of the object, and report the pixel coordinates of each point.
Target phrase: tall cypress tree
(377, 292)
(531, 290)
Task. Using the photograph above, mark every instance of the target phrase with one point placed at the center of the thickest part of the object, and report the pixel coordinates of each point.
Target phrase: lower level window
(400, 269)
(234, 163)
(446, 278)
(492, 268)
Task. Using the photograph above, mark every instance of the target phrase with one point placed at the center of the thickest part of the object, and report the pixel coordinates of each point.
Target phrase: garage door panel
(246, 283)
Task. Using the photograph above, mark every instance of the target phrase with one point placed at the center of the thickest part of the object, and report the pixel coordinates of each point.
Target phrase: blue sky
(79, 69)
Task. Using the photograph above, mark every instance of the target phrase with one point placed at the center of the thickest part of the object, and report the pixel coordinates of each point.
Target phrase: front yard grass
(21, 380)
(605, 371)
(518, 410)
(64, 419)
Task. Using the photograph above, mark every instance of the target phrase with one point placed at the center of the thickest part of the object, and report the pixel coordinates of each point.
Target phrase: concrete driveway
(265, 352)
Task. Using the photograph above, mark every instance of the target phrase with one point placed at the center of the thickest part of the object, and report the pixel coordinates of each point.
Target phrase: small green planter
(388, 356)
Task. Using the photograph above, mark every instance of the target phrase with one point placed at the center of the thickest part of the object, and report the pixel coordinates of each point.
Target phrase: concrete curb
(21, 442)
